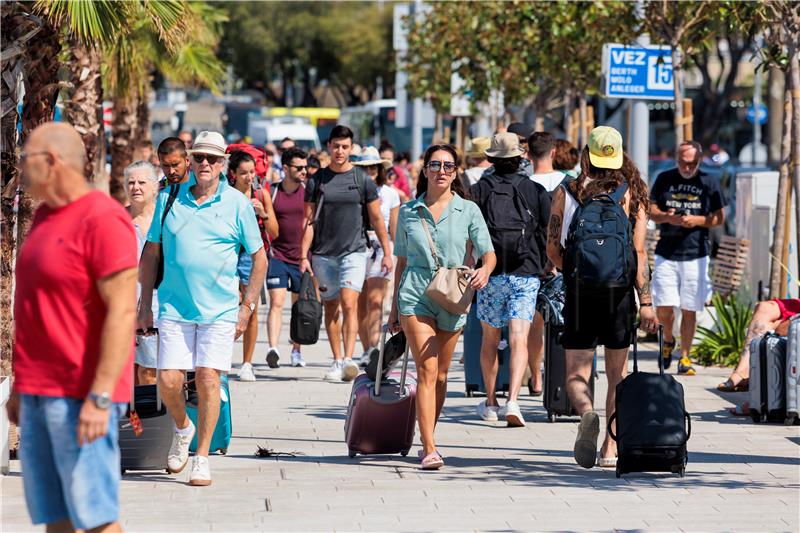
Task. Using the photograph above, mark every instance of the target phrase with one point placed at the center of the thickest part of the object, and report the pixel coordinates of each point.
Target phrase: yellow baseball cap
(605, 147)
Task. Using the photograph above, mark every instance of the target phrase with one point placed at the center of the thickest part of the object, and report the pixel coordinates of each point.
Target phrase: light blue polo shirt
(200, 244)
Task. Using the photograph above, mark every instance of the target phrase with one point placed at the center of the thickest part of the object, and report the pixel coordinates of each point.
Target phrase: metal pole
(756, 106)
(639, 148)
(416, 113)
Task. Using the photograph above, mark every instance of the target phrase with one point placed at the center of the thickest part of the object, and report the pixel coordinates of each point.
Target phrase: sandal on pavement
(729, 386)
(606, 462)
(432, 461)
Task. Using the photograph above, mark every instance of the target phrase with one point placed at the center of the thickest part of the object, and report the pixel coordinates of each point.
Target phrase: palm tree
(186, 57)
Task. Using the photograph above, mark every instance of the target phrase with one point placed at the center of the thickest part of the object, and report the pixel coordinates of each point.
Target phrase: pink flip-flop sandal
(432, 461)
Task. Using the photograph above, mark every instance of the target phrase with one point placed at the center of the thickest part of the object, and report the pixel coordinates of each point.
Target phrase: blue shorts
(283, 275)
(61, 479)
(336, 273)
(508, 297)
(244, 267)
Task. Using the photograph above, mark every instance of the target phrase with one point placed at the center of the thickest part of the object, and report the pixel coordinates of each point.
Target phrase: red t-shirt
(58, 312)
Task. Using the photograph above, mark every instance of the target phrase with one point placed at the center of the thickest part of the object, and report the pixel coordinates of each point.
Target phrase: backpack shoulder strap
(515, 186)
(173, 194)
(275, 191)
(619, 193)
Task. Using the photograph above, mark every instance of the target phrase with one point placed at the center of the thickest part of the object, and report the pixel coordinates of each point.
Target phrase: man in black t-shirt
(517, 211)
(686, 202)
(338, 198)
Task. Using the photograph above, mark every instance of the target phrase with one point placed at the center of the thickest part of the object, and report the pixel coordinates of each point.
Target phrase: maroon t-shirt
(289, 212)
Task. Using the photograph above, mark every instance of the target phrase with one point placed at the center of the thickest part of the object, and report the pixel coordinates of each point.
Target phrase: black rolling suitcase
(473, 375)
(148, 450)
(550, 303)
(652, 423)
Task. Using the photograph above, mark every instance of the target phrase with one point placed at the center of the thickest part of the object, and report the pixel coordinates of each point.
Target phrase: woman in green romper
(433, 332)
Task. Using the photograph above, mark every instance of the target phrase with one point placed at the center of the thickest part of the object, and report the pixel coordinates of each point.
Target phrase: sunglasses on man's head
(436, 166)
(212, 159)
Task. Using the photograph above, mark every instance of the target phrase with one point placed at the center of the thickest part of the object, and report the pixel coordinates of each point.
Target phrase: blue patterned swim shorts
(508, 297)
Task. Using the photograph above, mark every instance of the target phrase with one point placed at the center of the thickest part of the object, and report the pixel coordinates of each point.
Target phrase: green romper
(460, 222)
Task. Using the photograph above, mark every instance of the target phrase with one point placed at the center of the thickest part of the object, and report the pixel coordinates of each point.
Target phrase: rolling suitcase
(148, 450)
(381, 415)
(768, 378)
(555, 399)
(473, 376)
(793, 373)
(652, 423)
(221, 438)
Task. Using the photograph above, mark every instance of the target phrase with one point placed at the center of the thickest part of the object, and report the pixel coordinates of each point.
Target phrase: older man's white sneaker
(201, 472)
(246, 372)
(178, 455)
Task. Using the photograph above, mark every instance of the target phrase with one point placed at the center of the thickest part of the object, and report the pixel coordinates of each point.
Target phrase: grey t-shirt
(339, 230)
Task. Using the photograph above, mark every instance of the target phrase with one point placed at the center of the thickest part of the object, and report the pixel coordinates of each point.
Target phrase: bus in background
(375, 121)
(322, 118)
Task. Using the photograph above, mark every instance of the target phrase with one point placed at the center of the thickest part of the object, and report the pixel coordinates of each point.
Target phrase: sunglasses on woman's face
(212, 159)
(436, 166)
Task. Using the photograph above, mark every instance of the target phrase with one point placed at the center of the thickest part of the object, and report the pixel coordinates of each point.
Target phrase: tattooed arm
(554, 250)
(643, 270)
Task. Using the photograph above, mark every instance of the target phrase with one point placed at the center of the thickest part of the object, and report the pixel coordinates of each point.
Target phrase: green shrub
(723, 344)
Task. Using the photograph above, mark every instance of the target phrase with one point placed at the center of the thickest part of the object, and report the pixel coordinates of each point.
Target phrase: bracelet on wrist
(646, 304)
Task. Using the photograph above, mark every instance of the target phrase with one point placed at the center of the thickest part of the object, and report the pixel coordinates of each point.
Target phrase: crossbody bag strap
(432, 246)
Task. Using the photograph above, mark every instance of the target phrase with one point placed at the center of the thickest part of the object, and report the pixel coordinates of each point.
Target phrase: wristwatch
(250, 305)
(101, 401)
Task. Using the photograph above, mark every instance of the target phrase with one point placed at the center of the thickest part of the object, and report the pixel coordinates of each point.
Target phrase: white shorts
(683, 284)
(374, 258)
(186, 345)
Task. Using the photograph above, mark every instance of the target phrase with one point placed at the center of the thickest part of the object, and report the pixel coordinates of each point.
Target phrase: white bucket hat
(209, 143)
(370, 156)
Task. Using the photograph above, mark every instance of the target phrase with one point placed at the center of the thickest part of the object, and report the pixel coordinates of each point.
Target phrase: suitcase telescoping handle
(660, 348)
(379, 371)
(150, 331)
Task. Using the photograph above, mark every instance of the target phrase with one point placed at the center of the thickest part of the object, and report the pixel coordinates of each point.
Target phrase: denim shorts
(337, 273)
(244, 267)
(508, 297)
(62, 479)
(282, 275)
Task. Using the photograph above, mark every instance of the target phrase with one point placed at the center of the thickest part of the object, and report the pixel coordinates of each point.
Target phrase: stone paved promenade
(740, 477)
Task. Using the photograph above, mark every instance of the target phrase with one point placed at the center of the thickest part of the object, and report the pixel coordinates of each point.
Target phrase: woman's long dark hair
(380, 179)
(457, 186)
(604, 180)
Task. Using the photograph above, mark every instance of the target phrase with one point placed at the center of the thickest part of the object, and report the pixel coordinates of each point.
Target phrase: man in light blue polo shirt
(200, 231)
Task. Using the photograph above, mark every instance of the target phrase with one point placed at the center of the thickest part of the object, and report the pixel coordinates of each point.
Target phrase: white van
(274, 130)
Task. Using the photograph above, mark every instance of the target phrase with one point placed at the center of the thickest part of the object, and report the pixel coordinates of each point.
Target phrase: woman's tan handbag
(449, 287)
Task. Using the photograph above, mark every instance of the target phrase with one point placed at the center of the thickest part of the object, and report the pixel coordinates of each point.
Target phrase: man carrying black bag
(306, 313)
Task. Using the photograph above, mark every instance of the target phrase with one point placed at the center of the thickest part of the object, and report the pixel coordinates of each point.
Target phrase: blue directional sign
(762, 114)
(642, 72)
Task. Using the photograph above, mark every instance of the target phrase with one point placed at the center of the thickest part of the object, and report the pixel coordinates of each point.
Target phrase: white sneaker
(349, 370)
(514, 415)
(273, 358)
(246, 372)
(364, 361)
(201, 472)
(178, 455)
(487, 412)
(297, 358)
(334, 373)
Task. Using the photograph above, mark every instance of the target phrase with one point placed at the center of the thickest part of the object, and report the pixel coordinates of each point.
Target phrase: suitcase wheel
(551, 417)
(619, 474)
(405, 452)
(224, 451)
(680, 470)
(469, 393)
(352, 453)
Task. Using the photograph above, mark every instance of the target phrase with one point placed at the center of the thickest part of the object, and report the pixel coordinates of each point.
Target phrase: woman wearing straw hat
(370, 301)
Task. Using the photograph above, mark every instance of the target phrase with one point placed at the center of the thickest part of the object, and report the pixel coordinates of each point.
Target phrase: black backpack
(306, 314)
(652, 423)
(599, 250)
(509, 221)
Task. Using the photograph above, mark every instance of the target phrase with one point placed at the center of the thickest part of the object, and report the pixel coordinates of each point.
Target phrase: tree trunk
(123, 144)
(84, 107)
(569, 106)
(794, 76)
(777, 275)
(677, 78)
(582, 133)
(143, 134)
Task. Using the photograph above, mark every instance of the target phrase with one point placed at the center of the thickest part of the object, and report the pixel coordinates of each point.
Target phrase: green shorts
(411, 300)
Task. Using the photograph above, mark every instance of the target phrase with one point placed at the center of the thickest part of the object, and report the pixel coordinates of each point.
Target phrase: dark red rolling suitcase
(381, 415)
